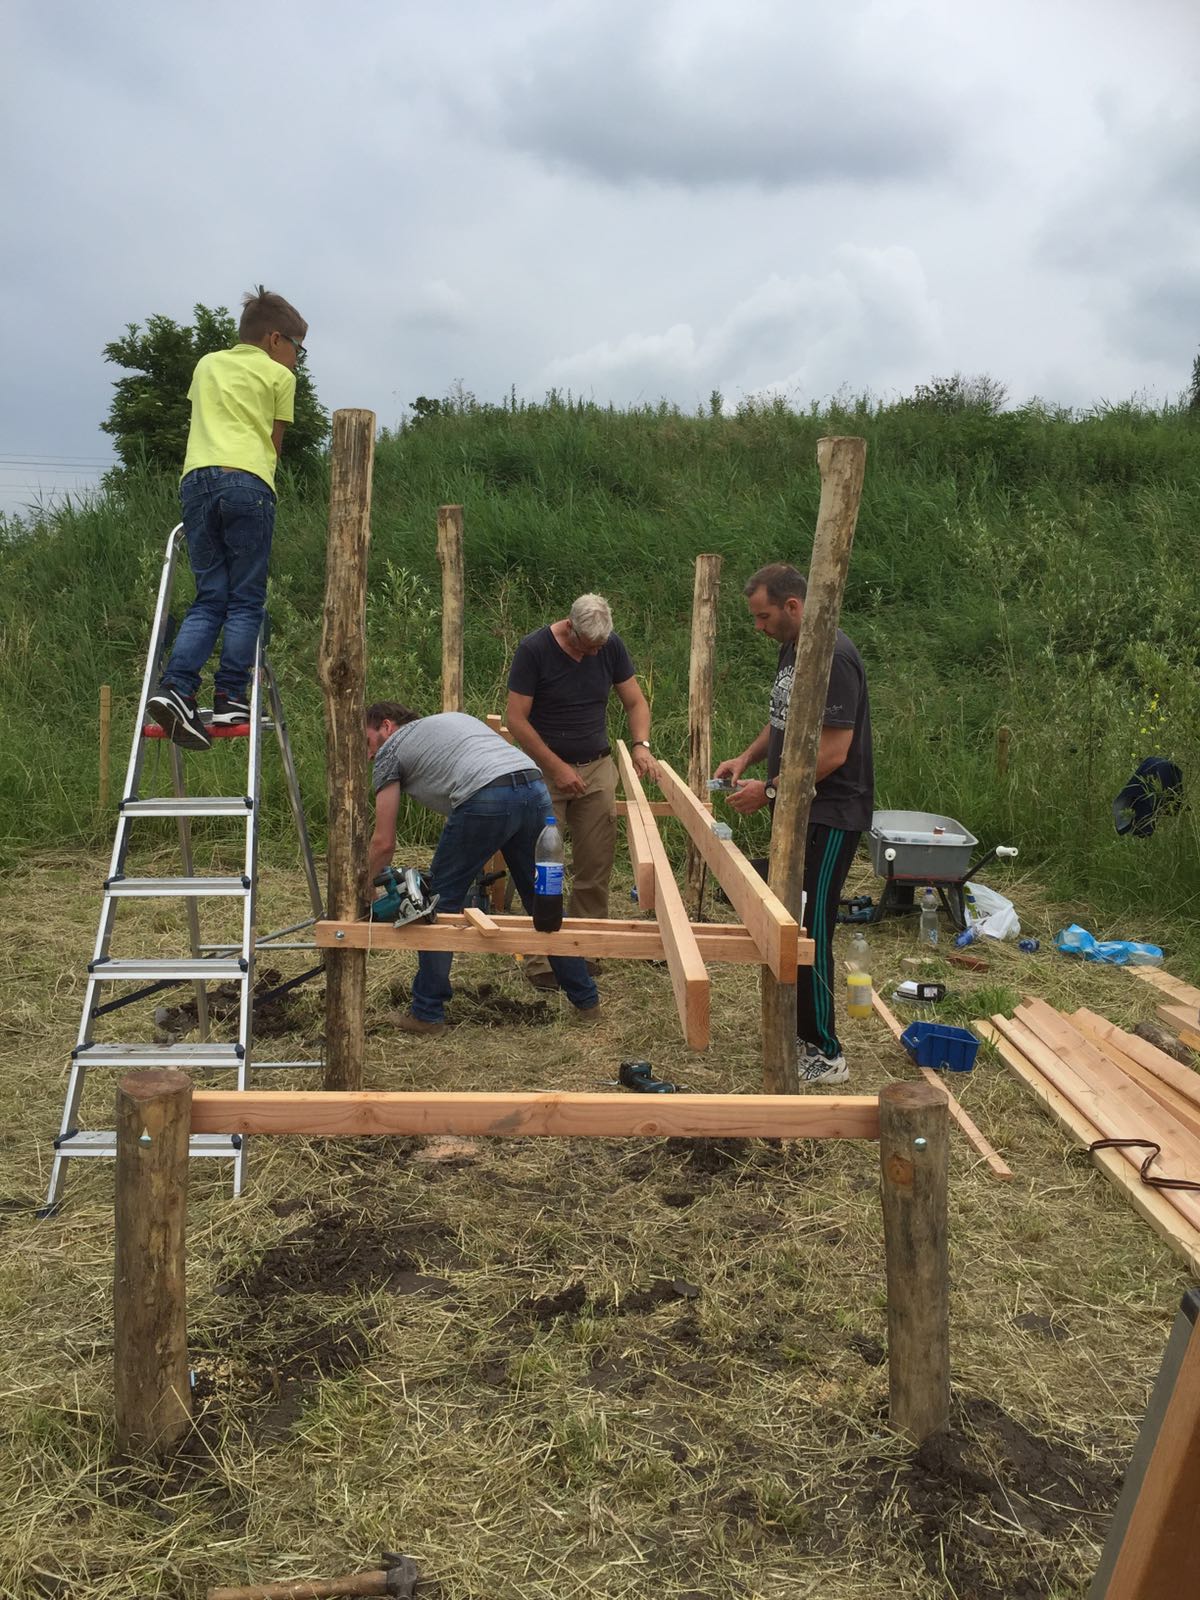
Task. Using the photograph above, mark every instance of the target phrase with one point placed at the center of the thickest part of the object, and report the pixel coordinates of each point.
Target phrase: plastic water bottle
(860, 952)
(548, 879)
(858, 978)
(929, 918)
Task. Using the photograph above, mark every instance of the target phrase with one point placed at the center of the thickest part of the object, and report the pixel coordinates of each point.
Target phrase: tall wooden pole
(105, 741)
(450, 554)
(842, 463)
(914, 1142)
(705, 592)
(342, 671)
(150, 1364)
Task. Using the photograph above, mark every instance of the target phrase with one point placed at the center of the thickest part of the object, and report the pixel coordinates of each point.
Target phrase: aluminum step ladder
(207, 963)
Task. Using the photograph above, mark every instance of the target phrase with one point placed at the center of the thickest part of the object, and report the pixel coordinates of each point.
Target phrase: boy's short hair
(264, 312)
(390, 711)
(782, 582)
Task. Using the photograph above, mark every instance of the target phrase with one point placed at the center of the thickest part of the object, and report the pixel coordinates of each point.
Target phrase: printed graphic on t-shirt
(781, 693)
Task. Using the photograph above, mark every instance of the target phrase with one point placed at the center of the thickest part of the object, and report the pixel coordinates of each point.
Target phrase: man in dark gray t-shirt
(842, 801)
(493, 799)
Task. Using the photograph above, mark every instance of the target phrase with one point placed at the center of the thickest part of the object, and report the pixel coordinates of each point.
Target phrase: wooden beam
(1183, 1021)
(689, 978)
(998, 1166)
(1184, 1081)
(1186, 1111)
(496, 894)
(768, 921)
(579, 936)
(341, 668)
(659, 808)
(481, 921)
(1150, 1204)
(1183, 993)
(1160, 1552)
(842, 464)
(637, 842)
(913, 1158)
(705, 592)
(450, 556)
(532, 1115)
(150, 1360)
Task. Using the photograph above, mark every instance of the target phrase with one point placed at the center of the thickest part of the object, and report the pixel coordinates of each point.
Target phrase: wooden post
(450, 555)
(1003, 740)
(913, 1156)
(342, 671)
(700, 690)
(105, 740)
(150, 1364)
(842, 463)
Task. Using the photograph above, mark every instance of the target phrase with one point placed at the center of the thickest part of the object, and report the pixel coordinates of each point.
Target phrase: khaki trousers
(589, 825)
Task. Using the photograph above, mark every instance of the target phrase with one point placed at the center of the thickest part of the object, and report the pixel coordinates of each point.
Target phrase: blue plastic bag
(1077, 941)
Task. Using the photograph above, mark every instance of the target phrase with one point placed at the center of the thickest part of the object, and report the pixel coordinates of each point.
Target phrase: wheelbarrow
(911, 850)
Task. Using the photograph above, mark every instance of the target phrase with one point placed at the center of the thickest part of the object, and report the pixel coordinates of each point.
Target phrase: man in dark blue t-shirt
(558, 690)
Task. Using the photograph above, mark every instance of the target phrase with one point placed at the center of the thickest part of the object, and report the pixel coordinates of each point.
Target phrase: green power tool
(407, 897)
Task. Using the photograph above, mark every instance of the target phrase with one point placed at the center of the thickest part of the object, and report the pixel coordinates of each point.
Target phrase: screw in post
(919, 1144)
(340, 934)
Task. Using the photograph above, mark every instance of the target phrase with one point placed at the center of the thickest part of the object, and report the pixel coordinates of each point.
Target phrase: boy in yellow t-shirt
(241, 401)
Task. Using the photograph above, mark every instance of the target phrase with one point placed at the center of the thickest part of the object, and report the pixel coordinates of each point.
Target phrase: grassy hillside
(1022, 569)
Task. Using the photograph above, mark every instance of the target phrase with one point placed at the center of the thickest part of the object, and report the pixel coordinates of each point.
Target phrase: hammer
(399, 1577)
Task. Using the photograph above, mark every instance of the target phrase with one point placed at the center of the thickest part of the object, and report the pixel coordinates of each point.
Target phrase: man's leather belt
(583, 761)
(513, 780)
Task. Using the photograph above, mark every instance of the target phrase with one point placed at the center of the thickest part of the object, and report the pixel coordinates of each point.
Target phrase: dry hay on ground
(607, 1369)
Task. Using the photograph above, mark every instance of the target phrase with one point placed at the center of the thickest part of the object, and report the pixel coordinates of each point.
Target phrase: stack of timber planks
(1099, 1082)
(1180, 1010)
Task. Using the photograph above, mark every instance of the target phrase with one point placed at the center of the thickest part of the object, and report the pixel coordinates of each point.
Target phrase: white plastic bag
(994, 915)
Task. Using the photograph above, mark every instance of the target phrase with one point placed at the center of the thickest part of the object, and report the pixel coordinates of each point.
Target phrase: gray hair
(591, 618)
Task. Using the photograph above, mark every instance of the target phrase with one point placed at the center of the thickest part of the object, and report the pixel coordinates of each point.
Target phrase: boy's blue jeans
(228, 519)
(502, 818)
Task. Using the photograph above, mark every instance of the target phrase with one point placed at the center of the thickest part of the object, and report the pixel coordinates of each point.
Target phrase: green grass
(1024, 570)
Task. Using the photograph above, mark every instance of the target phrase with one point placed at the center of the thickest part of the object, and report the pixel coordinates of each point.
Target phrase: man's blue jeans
(228, 518)
(505, 818)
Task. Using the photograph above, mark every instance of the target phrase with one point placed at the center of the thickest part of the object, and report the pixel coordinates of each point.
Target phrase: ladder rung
(192, 1057)
(105, 1144)
(188, 970)
(149, 888)
(189, 805)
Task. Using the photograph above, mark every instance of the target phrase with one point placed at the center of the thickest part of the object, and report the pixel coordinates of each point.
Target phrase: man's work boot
(407, 1023)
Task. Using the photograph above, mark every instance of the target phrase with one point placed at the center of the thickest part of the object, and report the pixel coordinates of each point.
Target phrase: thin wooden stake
(342, 671)
(842, 463)
(105, 741)
(913, 1155)
(450, 554)
(705, 592)
(1003, 740)
(150, 1364)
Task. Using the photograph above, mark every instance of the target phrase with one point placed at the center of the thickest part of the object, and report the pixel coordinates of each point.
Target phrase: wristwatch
(644, 742)
(770, 790)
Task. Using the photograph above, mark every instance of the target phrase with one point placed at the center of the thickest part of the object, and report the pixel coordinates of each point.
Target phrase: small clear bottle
(929, 918)
(858, 976)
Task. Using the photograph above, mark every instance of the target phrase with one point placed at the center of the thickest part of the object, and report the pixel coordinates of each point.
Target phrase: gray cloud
(701, 95)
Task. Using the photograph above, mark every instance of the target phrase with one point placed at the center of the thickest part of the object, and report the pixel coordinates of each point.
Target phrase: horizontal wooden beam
(769, 922)
(689, 976)
(658, 808)
(579, 936)
(740, 1116)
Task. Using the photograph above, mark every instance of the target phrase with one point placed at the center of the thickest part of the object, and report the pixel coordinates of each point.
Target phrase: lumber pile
(1180, 1011)
(1101, 1083)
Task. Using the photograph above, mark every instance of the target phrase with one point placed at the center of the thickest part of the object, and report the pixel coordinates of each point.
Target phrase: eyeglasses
(301, 352)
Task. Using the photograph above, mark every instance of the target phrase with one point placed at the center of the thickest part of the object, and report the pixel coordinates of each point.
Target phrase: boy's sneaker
(816, 1067)
(229, 711)
(179, 718)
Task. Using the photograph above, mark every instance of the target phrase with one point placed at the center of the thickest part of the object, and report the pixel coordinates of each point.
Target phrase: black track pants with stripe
(826, 863)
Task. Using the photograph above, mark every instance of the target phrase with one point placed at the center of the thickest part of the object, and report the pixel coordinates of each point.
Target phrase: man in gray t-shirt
(493, 798)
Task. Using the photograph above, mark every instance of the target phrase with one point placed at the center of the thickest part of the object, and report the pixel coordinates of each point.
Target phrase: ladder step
(188, 970)
(189, 1057)
(189, 805)
(105, 1144)
(148, 888)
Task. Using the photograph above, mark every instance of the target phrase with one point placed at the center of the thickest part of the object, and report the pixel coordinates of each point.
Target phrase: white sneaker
(814, 1067)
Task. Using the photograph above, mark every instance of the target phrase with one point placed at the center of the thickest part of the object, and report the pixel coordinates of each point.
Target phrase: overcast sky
(628, 198)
